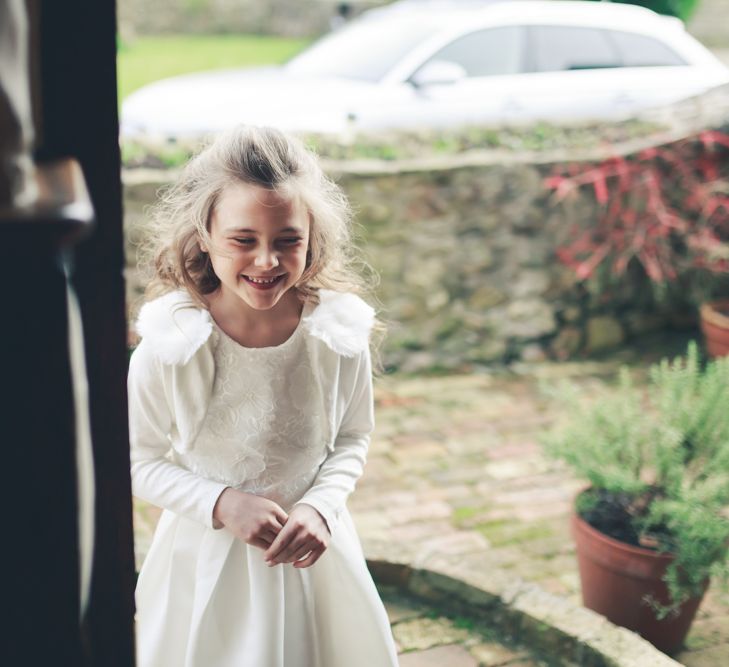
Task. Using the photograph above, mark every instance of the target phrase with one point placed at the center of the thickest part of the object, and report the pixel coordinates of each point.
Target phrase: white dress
(207, 599)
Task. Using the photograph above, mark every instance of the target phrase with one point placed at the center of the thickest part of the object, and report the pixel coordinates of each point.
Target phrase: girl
(250, 414)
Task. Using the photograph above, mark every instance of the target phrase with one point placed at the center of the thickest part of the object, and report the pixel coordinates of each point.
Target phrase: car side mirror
(438, 73)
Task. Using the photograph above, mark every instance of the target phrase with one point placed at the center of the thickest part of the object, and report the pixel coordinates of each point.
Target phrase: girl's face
(259, 244)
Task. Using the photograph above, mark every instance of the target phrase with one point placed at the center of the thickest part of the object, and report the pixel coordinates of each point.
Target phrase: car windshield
(366, 49)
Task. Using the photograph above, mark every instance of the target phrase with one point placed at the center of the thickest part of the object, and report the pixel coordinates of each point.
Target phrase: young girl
(250, 415)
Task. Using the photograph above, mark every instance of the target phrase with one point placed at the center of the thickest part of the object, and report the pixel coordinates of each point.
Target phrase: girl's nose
(266, 259)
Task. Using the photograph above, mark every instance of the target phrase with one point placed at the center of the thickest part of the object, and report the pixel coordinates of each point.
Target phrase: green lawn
(148, 59)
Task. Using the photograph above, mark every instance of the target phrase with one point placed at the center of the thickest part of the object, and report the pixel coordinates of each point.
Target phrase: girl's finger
(281, 516)
(274, 526)
(285, 555)
(301, 552)
(268, 536)
(258, 542)
(296, 549)
(279, 544)
(311, 559)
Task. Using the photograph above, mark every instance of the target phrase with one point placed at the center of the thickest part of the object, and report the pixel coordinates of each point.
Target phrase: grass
(149, 59)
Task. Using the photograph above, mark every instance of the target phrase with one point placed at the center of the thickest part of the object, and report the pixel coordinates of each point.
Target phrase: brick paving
(456, 470)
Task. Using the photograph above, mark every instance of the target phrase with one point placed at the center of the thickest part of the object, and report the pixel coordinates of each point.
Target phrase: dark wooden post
(77, 67)
(76, 117)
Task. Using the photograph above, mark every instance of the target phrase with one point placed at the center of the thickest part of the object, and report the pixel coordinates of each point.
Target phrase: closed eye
(286, 241)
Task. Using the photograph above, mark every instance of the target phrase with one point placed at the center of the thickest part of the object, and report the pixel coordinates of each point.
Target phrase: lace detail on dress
(264, 431)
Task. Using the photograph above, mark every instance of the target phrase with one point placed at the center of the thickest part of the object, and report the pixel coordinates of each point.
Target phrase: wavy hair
(268, 158)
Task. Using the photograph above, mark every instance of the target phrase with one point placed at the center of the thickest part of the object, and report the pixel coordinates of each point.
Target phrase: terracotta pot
(715, 327)
(616, 576)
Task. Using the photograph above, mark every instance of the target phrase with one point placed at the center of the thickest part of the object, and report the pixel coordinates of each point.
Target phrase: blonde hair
(264, 157)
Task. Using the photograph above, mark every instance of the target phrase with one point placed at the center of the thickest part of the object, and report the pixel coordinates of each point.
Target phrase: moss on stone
(503, 532)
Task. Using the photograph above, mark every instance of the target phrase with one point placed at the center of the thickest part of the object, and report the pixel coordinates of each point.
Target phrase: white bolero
(170, 382)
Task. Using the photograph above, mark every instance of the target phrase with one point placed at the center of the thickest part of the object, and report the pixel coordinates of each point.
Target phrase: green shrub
(663, 452)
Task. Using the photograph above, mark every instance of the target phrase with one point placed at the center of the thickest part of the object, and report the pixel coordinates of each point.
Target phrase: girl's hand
(305, 532)
(254, 519)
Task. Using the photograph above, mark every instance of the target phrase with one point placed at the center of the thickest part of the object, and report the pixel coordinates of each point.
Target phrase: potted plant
(715, 326)
(664, 210)
(652, 527)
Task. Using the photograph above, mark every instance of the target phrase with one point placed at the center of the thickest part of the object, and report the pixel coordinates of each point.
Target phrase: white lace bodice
(263, 432)
(291, 422)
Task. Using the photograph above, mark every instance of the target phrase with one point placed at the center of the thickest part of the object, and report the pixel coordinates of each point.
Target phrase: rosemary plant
(657, 460)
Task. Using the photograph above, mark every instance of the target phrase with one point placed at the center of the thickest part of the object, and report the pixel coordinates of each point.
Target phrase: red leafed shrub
(665, 208)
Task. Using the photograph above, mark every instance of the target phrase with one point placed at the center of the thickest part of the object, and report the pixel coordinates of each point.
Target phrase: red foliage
(666, 208)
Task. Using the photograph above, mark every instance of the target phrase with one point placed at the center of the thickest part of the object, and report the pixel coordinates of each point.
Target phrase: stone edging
(552, 625)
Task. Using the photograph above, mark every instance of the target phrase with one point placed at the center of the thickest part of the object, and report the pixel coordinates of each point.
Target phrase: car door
(491, 61)
(574, 72)
(519, 73)
(655, 74)
(587, 72)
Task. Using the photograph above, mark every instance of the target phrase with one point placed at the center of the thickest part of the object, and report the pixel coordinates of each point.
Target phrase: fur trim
(343, 321)
(174, 327)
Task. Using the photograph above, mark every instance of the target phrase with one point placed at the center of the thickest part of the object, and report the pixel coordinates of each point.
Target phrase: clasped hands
(262, 523)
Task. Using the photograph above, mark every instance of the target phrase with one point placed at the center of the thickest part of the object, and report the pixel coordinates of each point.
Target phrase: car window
(560, 48)
(487, 52)
(642, 51)
(366, 49)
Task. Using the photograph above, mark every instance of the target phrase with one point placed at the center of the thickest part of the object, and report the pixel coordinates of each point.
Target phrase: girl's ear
(202, 245)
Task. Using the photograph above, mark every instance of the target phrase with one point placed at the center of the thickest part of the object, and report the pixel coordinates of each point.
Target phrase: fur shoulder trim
(343, 321)
(174, 327)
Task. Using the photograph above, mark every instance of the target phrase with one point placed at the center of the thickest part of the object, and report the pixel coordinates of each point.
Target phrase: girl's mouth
(263, 283)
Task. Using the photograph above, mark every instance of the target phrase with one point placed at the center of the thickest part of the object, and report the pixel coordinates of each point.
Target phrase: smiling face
(259, 242)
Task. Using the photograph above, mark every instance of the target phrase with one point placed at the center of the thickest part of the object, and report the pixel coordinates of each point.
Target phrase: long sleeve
(155, 478)
(340, 471)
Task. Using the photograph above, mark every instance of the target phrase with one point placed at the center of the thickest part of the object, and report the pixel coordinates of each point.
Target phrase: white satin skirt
(206, 599)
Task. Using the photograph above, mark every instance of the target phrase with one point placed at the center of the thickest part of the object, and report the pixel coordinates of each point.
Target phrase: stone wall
(466, 256)
(465, 248)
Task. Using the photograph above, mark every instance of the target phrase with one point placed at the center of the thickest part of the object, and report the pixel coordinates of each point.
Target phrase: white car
(442, 64)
